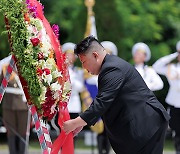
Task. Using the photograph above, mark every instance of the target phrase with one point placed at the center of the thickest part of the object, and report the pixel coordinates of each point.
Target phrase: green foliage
(124, 22)
(13, 11)
(64, 13)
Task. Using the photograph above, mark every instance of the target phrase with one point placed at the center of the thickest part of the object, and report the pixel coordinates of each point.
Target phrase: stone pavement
(78, 151)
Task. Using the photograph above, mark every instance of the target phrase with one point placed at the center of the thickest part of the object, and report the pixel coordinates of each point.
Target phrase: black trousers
(156, 143)
(175, 125)
(103, 143)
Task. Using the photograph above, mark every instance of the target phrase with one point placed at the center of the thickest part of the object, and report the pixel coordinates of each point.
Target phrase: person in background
(134, 119)
(76, 78)
(171, 70)
(15, 111)
(141, 54)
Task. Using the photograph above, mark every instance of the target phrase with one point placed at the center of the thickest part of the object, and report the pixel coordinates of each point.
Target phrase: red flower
(47, 71)
(48, 104)
(39, 71)
(35, 41)
(40, 55)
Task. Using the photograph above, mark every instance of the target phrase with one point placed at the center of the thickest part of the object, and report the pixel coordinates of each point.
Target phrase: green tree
(155, 22)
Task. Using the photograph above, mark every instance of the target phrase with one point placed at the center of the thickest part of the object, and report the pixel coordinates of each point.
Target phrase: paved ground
(76, 152)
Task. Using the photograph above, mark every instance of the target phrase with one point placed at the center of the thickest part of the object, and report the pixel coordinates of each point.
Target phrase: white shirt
(172, 73)
(151, 78)
(76, 77)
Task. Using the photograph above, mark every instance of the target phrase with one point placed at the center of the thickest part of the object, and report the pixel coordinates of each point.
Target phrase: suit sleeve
(110, 83)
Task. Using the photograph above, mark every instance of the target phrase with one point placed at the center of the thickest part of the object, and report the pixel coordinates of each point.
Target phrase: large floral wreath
(46, 79)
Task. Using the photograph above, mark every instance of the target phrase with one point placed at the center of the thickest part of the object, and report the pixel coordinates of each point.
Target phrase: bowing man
(134, 119)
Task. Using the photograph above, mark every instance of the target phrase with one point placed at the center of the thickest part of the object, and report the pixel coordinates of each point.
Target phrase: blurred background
(155, 22)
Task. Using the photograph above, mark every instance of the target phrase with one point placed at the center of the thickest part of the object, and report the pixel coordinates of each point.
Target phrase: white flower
(37, 23)
(53, 109)
(56, 95)
(67, 86)
(66, 91)
(50, 63)
(56, 74)
(42, 63)
(46, 46)
(42, 97)
(55, 86)
(47, 78)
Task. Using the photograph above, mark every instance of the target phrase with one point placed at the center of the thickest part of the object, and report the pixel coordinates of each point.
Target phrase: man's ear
(95, 54)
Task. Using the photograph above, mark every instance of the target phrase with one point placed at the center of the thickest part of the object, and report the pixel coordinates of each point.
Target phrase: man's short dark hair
(83, 46)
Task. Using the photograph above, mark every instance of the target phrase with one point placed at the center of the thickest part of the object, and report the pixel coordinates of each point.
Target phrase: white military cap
(178, 46)
(68, 47)
(142, 47)
(110, 46)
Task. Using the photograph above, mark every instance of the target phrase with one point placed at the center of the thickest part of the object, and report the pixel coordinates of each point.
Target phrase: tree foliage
(155, 22)
(123, 22)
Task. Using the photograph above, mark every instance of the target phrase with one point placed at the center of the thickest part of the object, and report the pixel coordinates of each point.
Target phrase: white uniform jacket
(76, 77)
(172, 73)
(151, 78)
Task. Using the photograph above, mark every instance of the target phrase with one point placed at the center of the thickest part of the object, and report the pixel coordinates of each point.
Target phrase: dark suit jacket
(130, 111)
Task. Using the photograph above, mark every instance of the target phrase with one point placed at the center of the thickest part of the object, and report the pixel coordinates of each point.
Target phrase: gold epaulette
(87, 75)
(4, 69)
(86, 99)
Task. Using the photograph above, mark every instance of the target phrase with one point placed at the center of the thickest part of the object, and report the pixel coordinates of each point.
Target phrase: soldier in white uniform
(76, 77)
(141, 54)
(15, 111)
(171, 70)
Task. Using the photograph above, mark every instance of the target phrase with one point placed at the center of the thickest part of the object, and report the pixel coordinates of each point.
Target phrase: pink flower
(35, 41)
(55, 29)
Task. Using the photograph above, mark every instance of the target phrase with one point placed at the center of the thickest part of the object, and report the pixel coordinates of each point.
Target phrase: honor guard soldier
(15, 111)
(141, 54)
(171, 70)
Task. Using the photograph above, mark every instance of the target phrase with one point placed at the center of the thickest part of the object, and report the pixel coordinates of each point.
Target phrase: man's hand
(74, 125)
(77, 130)
(69, 126)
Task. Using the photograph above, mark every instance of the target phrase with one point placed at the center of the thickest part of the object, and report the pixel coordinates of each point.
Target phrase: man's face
(139, 57)
(91, 62)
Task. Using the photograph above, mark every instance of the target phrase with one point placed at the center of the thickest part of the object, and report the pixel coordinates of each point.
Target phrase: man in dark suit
(134, 119)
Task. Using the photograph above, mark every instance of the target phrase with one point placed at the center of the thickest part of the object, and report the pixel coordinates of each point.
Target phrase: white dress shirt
(76, 77)
(151, 78)
(172, 73)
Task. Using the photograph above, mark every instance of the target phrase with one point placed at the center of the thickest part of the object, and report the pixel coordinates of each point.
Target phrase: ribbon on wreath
(7, 77)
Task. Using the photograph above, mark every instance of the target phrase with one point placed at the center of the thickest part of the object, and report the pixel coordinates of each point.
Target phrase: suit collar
(105, 58)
